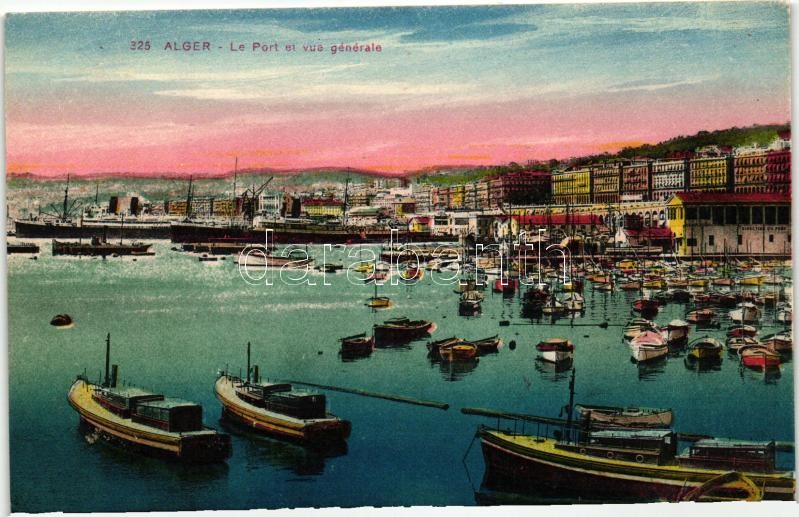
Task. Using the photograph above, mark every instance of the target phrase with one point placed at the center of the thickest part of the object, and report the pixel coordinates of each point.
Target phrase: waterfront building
(749, 170)
(572, 187)
(668, 178)
(635, 184)
(365, 215)
(520, 188)
(605, 180)
(322, 207)
(778, 171)
(456, 197)
(757, 223)
(361, 197)
(709, 174)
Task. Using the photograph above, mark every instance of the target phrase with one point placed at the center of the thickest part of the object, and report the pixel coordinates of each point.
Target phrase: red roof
(543, 219)
(718, 198)
(422, 219)
(653, 233)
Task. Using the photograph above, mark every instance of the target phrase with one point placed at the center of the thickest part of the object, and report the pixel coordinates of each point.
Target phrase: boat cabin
(655, 446)
(123, 400)
(282, 398)
(730, 455)
(169, 414)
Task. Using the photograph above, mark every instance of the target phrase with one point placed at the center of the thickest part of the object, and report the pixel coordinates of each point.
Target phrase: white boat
(785, 314)
(556, 350)
(648, 346)
(746, 312)
(554, 306)
(637, 327)
(574, 302)
(676, 332)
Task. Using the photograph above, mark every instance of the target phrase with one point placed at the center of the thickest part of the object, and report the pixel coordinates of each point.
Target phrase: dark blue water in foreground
(174, 322)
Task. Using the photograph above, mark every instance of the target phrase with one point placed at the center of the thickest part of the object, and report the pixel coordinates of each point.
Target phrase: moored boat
(759, 356)
(676, 332)
(701, 316)
(648, 346)
(402, 329)
(705, 348)
(734, 344)
(455, 352)
(146, 421)
(555, 350)
(626, 416)
(781, 342)
(358, 345)
(745, 313)
(277, 409)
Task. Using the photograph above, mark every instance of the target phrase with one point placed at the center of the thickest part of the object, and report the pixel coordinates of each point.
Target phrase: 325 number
(140, 45)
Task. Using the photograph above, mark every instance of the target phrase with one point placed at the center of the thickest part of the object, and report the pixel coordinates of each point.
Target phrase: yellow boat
(365, 267)
(378, 302)
(751, 280)
(656, 283)
(521, 462)
(202, 444)
(698, 282)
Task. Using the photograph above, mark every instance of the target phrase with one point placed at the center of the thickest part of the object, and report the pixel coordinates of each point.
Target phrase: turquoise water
(174, 322)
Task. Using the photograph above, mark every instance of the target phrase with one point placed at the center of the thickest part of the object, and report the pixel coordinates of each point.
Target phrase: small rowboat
(555, 350)
(412, 274)
(488, 345)
(655, 283)
(637, 327)
(723, 282)
(676, 283)
(701, 316)
(458, 352)
(706, 348)
(782, 342)
(742, 331)
(751, 280)
(676, 332)
(626, 417)
(433, 347)
(759, 356)
(61, 321)
(400, 330)
(734, 344)
(378, 302)
(745, 313)
(648, 346)
(357, 346)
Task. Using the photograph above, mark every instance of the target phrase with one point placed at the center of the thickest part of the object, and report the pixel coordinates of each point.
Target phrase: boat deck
(80, 397)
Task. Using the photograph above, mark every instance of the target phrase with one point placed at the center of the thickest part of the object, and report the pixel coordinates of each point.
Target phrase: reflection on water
(553, 372)
(456, 370)
(649, 370)
(143, 462)
(769, 375)
(260, 449)
(703, 365)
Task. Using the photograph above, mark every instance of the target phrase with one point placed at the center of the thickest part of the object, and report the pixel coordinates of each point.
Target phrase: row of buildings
(712, 169)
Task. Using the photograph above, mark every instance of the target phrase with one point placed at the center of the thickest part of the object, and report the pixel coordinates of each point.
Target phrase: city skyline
(451, 86)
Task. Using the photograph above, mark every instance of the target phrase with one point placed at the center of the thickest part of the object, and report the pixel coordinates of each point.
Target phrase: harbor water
(175, 322)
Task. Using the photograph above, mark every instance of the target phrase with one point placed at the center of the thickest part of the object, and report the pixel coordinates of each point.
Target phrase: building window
(690, 213)
(784, 215)
(711, 241)
(743, 215)
(740, 240)
(731, 215)
(757, 215)
(718, 215)
(704, 212)
(771, 215)
(691, 242)
(771, 237)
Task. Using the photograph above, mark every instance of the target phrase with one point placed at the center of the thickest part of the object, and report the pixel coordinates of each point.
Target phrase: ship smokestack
(255, 374)
(248, 361)
(107, 359)
(114, 372)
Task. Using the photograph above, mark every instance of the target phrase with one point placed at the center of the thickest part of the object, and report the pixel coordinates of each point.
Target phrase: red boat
(759, 356)
(502, 285)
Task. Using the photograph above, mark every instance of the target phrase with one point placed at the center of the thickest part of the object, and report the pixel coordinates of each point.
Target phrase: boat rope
(466, 465)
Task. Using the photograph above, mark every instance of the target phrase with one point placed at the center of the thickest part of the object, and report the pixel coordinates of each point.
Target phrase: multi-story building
(749, 170)
(520, 188)
(755, 223)
(778, 171)
(361, 197)
(635, 181)
(571, 187)
(668, 178)
(709, 174)
(456, 196)
(605, 180)
(422, 193)
(322, 207)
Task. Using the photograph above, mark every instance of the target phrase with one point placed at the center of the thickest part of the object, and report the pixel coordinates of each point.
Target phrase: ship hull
(299, 234)
(191, 447)
(535, 470)
(40, 230)
(322, 433)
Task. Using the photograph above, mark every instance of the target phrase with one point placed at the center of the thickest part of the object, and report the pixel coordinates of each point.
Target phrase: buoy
(512, 344)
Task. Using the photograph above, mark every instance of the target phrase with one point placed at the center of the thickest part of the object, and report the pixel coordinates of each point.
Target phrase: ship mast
(346, 199)
(570, 406)
(66, 201)
(188, 200)
(235, 178)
